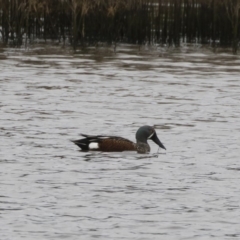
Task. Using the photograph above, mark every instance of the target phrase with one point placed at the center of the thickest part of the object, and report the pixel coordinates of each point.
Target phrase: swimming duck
(119, 144)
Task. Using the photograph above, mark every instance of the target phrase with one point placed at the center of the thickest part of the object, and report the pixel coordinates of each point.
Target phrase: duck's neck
(143, 147)
(142, 141)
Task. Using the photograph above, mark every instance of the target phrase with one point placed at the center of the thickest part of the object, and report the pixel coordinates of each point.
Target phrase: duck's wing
(105, 143)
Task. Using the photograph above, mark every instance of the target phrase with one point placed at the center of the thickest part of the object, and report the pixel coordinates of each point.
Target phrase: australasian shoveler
(119, 144)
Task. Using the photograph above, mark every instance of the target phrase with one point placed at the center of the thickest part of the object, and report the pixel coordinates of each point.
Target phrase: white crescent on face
(151, 135)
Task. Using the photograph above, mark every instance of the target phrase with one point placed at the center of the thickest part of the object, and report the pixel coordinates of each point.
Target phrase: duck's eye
(151, 130)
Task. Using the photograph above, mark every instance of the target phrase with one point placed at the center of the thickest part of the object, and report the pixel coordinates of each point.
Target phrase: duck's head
(147, 132)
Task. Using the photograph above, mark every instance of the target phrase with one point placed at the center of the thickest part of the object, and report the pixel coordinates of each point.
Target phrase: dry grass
(163, 21)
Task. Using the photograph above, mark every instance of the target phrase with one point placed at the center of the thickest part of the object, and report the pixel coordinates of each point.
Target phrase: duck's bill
(157, 141)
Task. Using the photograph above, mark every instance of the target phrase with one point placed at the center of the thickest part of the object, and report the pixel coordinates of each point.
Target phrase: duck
(106, 143)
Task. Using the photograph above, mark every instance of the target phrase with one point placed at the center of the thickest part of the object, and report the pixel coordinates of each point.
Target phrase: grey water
(51, 190)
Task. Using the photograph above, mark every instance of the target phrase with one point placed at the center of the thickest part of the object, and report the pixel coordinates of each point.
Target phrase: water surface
(51, 190)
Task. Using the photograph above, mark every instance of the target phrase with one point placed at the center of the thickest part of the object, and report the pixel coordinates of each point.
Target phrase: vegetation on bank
(170, 22)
